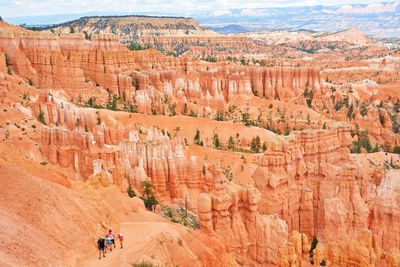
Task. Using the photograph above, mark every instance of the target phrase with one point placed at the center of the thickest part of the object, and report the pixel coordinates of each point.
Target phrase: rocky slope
(260, 154)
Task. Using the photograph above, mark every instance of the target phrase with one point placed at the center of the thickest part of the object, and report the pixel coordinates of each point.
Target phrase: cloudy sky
(18, 8)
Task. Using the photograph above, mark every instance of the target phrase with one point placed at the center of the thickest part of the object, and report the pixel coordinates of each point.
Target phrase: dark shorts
(113, 241)
(100, 248)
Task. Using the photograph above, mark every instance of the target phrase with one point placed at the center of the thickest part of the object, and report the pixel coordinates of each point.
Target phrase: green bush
(219, 116)
(287, 130)
(382, 119)
(309, 102)
(363, 142)
(210, 59)
(314, 244)
(143, 264)
(112, 102)
(91, 102)
(130, 192)
(135, 47)
(41, 117)
(363, 110)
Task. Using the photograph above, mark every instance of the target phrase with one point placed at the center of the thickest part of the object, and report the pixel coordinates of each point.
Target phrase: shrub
(287, 130)
(8, 60)
(363, 142)
(153, 110)
(246, 119)
(91, 102)
(264, 147)
(363, 110)
(396, 150)
(382, 119)
(180, 215)
(308, 95)
(112, 102)
(350, 113)
(309, 102)
(172, 109)
(210, 59)
(41, 117)
(219, 116)
(130, 192)
(314, 244)
(135, 47)
(87, 36)
(143, 264)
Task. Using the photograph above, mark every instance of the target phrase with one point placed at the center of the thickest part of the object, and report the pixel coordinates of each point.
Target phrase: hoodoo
(195, 148)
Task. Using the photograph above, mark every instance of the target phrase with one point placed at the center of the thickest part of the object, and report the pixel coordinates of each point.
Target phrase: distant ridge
(50, 26)
(131, 28)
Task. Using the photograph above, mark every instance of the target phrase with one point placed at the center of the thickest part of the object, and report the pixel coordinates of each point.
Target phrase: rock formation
(68, 103)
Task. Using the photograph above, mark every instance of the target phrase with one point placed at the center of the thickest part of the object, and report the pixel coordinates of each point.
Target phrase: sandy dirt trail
(136, 236)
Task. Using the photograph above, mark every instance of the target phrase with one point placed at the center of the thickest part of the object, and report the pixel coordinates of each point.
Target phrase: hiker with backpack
(101, 246)
(108, 243)
(111, 235)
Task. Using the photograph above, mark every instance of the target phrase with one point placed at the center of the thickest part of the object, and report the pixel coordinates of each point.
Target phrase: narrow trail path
(136, 235)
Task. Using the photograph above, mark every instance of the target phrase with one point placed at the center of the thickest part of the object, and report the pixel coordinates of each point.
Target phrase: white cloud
(251, 12)
(371, 8)
(221, 12)
(13, 8)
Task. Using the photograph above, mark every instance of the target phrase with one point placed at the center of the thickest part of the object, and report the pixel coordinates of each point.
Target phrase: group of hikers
(107, 242)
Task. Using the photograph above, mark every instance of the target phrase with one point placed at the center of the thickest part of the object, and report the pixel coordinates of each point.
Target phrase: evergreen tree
(216, 141)
(148, 198)
(231, 143)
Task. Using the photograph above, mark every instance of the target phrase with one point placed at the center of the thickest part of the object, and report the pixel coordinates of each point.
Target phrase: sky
(21, 8)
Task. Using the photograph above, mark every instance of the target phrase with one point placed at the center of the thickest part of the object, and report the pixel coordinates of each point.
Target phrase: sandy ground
(138, 235)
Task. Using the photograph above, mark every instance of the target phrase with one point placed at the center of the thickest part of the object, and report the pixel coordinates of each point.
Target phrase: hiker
(108, 243)
(121, 239)
(111, 235)
(101, 246)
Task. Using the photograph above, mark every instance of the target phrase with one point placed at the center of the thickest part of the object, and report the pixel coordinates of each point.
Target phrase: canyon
(284, 161)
